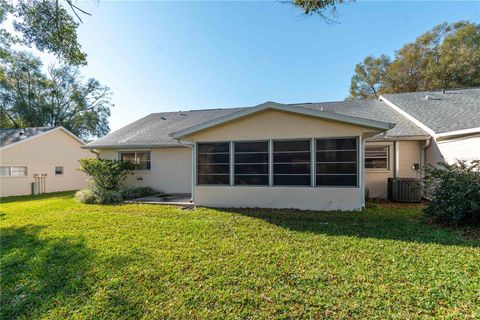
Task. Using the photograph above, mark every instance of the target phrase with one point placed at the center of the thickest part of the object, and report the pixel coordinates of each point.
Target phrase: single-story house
(322, 156)
(46, 156)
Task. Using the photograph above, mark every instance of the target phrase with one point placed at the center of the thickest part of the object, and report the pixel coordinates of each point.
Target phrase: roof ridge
(434, 90)
(331, 111)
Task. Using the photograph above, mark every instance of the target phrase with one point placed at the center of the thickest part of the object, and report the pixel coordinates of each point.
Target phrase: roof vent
(443, 91)
(427, 97)
(163, 118)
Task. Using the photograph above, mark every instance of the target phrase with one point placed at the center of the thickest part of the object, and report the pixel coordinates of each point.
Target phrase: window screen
(336, 162)
(376, 157)
(251, 163)
(291, 163)
(141, 159)
(213, 163)
(18, 171)
(4, 171)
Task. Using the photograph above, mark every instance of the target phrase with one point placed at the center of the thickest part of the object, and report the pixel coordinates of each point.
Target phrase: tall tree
(368, 78)
(48, 26)
(327, 9)
(446, 57)
(59, 98)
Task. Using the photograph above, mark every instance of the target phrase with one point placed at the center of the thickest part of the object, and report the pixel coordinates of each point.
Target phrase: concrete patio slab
(175, 199)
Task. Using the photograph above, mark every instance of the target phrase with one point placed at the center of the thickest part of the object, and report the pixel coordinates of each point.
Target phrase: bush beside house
(105, 185)
(455, 193)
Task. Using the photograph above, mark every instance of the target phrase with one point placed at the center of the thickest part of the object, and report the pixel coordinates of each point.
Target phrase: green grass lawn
(61, 259)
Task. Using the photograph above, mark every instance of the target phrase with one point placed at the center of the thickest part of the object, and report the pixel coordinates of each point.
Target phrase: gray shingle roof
(156, 128)
(13, 135)
(442, 112)
(373, 110)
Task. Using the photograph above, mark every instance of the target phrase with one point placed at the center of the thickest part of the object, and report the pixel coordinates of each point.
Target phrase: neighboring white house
(43, 154)
(322, 156)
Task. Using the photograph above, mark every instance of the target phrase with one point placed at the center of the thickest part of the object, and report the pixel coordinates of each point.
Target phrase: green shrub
(455, 193)
(108, 196)
(128, 193)
(145, 191)
(86, 196)
(137, 192)
(106, 174)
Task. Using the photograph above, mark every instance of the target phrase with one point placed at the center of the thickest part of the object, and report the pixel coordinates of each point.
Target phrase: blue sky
(169, 56)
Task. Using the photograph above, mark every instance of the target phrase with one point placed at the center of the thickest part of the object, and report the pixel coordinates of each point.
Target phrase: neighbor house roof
(156, 129)
(440, 111)
(12, 136)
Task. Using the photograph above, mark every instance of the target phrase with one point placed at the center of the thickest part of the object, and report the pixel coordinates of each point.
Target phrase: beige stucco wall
(408, 154)
(376, 180)
(304, 198)
(171, 169)
(279, 125)
(41, 155)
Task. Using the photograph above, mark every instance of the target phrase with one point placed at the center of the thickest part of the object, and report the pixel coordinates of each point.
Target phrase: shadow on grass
(57, 195)
(379, 223)
(38, 273)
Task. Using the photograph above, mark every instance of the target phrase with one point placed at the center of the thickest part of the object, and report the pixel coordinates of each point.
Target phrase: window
(291, 163)
(213, 163)
(4, 171)
(141, 159)
(58, 170)
(10, 171)
(251, 163)
(336, 163)
(376, 158)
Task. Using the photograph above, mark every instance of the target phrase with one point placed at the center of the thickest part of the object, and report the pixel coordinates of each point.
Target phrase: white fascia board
(70, 134)
(291, 109)
(458, 132)
(408, 116)
(135, 146)
(400, 138)
(42, 134)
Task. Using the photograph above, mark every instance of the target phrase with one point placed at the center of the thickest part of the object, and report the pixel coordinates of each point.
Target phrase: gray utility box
(35, 190)
(404, 190)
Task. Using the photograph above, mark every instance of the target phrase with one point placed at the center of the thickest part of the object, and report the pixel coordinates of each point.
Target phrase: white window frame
(286, 152)
(15, 176)
(313, 163)
(358, 161)
(230, 164)
(59, 174)
(387, 160)
(136, 161)
(268, 163)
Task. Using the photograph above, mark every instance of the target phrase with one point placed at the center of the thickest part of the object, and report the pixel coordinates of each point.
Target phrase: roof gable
(12, 136)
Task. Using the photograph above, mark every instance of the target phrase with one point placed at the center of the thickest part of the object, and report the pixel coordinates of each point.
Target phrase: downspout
(96, 153)
(362, 170)
(396, 157)
(423, 161)
(191, 145)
